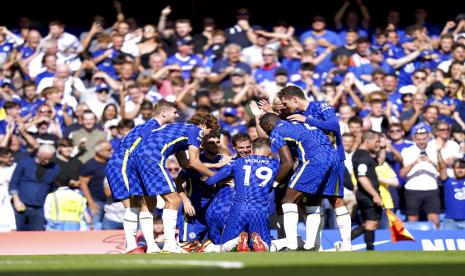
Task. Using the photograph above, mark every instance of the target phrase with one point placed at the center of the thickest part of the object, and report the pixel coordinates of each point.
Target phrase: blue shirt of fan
(44, 74)
(393, 51)
(186, 63)
(454, 198)
(325, 65)
(445, 101)
(26, 52)
(233, 129)
(27, 107)
(440, 57)
(264, 74)
(169, 139)
(292, 65)
(406, 71)
(106, 65)
(306, 137)
(5, 49)
(197, 190)
(361, 33)
(322, 115)
(220, 65)
(127, 141)
(253, 180)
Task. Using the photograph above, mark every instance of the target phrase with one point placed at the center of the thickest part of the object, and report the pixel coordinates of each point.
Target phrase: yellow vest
(67, 205)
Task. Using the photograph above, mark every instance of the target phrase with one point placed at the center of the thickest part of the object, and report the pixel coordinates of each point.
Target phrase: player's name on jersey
(259, 161)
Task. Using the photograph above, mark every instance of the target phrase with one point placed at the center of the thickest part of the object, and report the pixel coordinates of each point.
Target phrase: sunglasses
(443, 129)
(419, 78)
(395, 131)
(45, 111)
(173, 169)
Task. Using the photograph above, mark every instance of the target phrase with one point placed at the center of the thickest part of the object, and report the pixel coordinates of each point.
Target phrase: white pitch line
(200, 263)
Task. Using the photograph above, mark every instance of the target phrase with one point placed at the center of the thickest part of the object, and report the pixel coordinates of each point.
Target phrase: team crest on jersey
(192, 235)
(459, 193)
(325, 106)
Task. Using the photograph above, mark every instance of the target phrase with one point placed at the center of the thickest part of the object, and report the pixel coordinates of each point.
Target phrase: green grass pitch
(394, 263)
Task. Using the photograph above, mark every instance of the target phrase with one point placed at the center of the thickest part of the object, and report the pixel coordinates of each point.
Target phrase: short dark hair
(240, 137)
(395, 125)
(348, 134)
(261, 142)
(56, 23)
(5, 151)
(307, 66)
(126, 123)
(212, 134)
(291, 91)
(10, 104)
(369, 135)
(363, 39)
(355, 120)
(65, 142)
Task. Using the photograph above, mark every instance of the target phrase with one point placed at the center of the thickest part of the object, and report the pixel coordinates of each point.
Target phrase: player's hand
(266, 106)
(378, 201)
(256, 111)
(94, 208)
(188, 208)
(297, 118)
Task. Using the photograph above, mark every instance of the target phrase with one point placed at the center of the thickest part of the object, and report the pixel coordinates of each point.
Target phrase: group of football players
(220, 203)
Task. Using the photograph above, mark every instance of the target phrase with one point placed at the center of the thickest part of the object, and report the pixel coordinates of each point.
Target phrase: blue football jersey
(135, 134)
(454, 198)
(253, 180)
(306, 137)
(168, 139)
(322, 115)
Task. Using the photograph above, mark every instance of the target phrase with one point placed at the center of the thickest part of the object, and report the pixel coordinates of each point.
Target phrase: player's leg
(233, 235)
(314, 222)
(370, 228)
(291, 216)
(130, 222)
(170, 213)
(344, 222)
(260, 232)
(146, 222)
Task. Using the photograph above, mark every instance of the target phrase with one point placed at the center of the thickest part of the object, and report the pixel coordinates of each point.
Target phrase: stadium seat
(420, 225)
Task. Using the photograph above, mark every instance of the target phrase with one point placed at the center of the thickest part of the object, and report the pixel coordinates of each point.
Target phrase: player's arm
(182, 159)
(286, 163)
(195, 163)
(186, 202)
(222, 174)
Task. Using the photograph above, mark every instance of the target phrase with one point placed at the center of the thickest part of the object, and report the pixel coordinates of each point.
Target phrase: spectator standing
(86, 137)
(33, 178)
(69, 166)
(92, 178)
(421, 172)
(7, 167)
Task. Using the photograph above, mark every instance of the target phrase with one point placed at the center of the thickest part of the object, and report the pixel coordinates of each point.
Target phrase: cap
(102, 87)
(281, 71)
(421, 128)
(437, 85)
(184, 41)
(237, 72)
(231, 111)
(6, 82)
(406, 39)
(408, 89)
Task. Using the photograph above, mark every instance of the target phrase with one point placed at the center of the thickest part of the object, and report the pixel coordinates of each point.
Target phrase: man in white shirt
(68, 44)
(7, 215)
(450, 150)
(421, 173)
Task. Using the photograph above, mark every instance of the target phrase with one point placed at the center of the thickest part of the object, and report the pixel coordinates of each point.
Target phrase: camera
(423, 152)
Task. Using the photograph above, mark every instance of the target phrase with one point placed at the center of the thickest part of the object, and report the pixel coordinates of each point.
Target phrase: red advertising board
(63, 242)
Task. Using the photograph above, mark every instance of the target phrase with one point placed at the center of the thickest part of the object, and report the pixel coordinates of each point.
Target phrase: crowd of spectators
(68, 100)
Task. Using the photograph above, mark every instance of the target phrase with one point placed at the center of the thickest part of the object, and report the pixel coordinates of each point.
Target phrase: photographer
(421, 172)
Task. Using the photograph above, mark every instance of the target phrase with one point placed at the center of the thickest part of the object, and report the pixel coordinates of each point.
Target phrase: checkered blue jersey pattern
(253, 180)
(167, 140)
(217, 213)
(321, 114)
(120, 171)
(306, 137)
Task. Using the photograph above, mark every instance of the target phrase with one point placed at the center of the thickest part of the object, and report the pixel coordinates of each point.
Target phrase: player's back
(253, 181)
(306, 137)
(323, 111)
(137, 132)
(168, 139)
